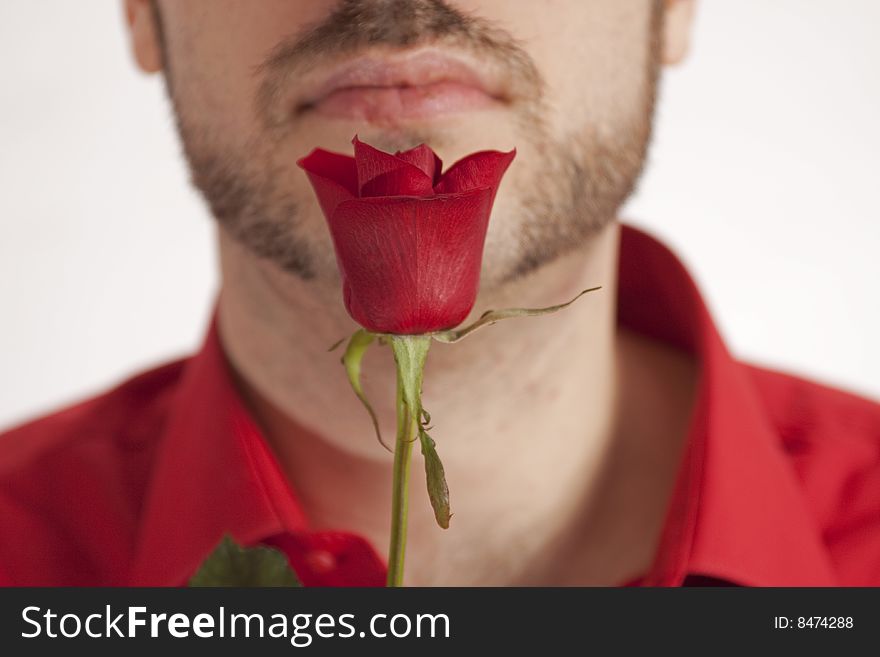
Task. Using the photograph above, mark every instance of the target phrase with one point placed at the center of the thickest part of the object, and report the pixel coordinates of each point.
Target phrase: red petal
(482, 169)
(333, 176)
(408, 181)
(411, 265)
(398, 177)
(425, 159)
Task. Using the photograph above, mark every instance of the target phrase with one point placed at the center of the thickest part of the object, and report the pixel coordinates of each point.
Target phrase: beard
(576, 189)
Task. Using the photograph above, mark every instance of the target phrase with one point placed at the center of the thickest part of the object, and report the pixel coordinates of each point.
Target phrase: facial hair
(581, 182)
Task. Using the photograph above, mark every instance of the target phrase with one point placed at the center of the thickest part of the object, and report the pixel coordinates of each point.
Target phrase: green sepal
(492, 316)
(410, 353)
(354, 353)
(230, 564)
(438, 491)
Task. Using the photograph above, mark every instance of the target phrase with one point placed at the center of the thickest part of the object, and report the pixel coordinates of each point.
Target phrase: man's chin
(452, 136)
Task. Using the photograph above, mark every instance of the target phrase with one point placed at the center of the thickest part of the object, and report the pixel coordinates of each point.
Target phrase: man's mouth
(389, 88)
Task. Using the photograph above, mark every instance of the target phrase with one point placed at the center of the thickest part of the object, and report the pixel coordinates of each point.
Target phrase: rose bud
(408, 237)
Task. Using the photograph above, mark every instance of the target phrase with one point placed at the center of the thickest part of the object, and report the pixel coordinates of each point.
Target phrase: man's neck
(526, 413)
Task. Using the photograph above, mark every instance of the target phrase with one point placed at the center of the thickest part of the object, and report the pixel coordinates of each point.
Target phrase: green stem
(399, 497)
(410, 352)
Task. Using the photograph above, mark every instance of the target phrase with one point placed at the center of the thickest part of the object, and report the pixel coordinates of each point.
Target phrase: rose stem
(410, 352)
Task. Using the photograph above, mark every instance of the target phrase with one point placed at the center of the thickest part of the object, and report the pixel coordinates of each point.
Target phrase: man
(614, 443)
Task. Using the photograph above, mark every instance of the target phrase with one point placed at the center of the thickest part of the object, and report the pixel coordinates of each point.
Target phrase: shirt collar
(736, 512)
(214, 473)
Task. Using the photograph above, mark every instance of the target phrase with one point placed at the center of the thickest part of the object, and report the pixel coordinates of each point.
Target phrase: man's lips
(403, 102)
(384, 89)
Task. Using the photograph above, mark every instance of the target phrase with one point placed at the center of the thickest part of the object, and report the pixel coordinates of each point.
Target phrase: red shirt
(779, 484)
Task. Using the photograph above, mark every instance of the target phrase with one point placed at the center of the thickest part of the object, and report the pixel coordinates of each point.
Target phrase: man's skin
(561, 435)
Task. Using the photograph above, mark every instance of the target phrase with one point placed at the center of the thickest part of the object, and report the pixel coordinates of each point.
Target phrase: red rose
(408, 239)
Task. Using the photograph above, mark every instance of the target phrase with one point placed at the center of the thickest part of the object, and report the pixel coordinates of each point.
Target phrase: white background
(764, 177)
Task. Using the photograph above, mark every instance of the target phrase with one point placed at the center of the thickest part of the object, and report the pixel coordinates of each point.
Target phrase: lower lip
(379, 104)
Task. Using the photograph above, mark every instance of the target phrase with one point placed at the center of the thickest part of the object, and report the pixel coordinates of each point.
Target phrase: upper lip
(423, 67)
